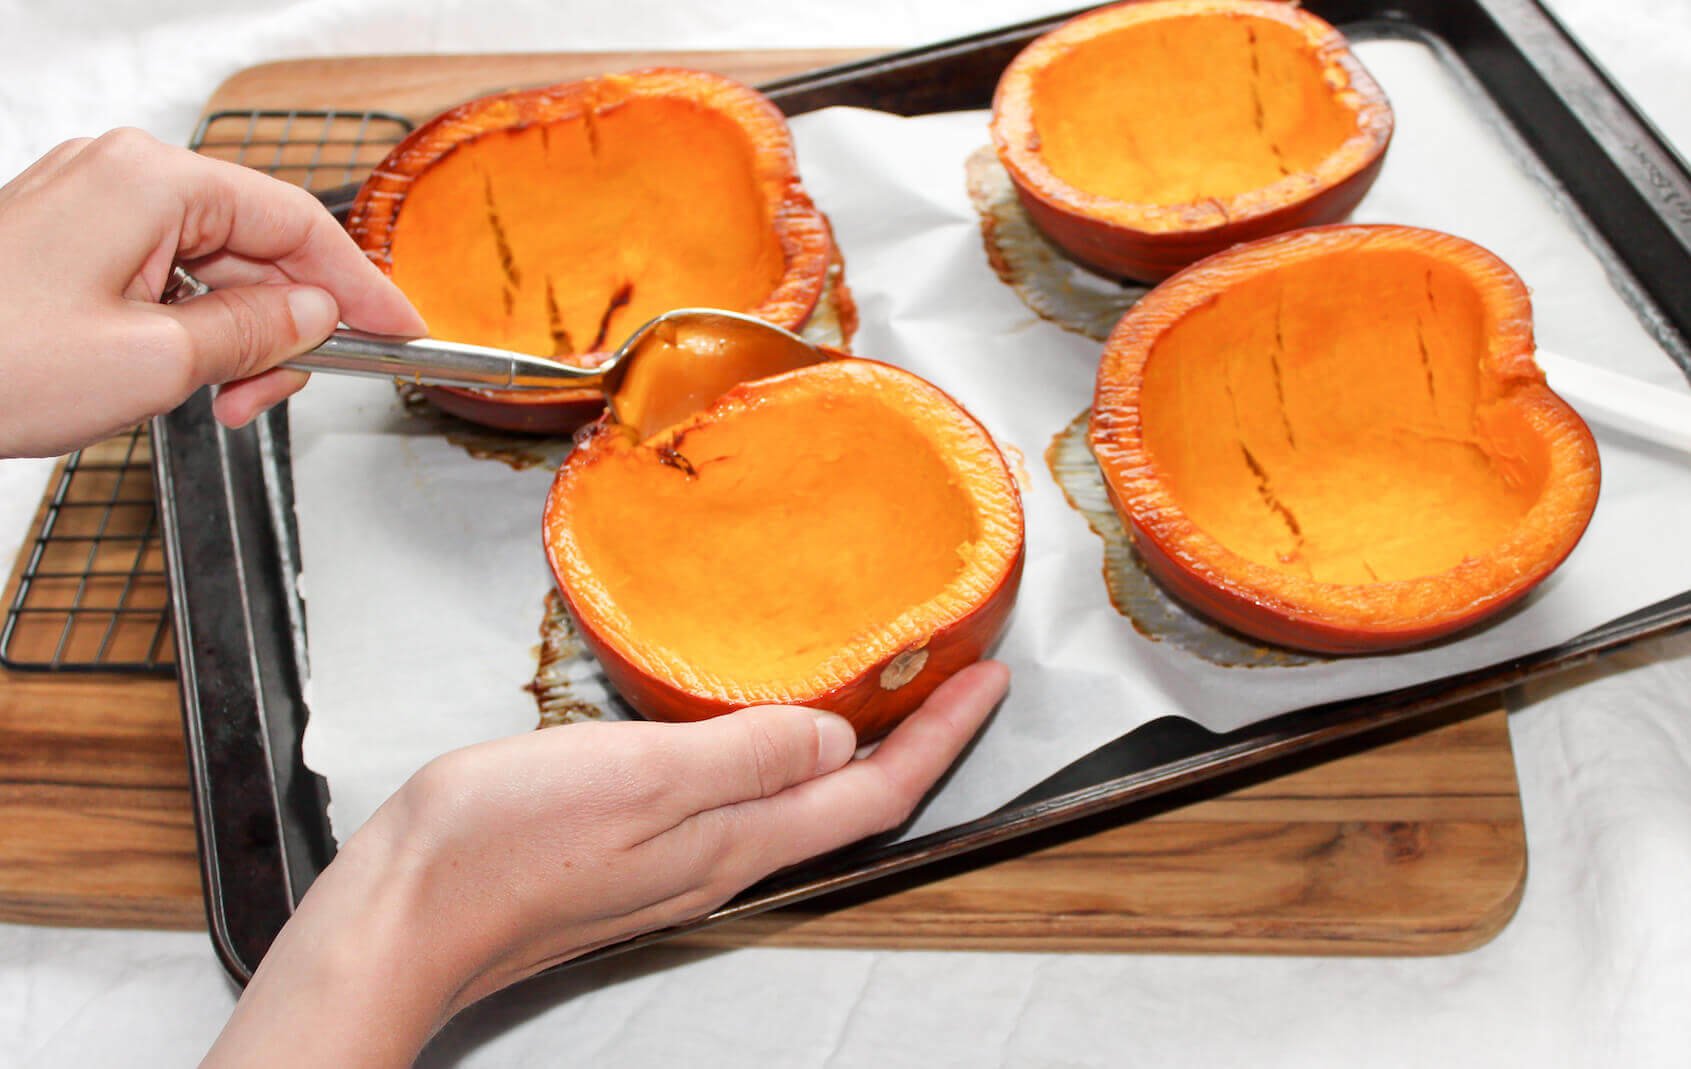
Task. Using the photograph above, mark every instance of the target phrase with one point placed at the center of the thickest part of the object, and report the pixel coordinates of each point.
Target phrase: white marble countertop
(1595, 968)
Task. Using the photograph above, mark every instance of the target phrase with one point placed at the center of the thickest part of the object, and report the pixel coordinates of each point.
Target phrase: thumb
(237, 332)
(753, 753)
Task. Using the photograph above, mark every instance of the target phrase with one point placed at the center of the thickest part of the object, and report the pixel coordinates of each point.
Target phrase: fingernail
(836, 741)
(314, 313)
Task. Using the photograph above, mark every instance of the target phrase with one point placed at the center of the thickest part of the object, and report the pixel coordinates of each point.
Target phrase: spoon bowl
(683, 360)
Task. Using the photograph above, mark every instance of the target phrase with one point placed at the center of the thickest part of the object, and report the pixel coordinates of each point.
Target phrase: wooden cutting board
(1407, 842)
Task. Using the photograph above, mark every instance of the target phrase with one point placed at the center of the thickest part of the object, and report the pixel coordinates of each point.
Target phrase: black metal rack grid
(320, 150)
(91, 593)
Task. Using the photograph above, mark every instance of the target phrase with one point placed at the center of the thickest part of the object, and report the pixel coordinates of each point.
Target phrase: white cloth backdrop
(1595, 968)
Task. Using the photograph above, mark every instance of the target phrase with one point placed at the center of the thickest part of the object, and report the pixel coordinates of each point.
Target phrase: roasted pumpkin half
(1338, 440)
(555, 221)
(843, 536)
(1146, 136)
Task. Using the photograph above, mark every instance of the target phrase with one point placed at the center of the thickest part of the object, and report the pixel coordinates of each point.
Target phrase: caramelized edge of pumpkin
(1517, 403)
(1015, 125)
(831, 409)
(806, 243)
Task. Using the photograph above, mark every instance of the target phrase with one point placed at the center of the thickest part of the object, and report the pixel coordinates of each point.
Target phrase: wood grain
(1411, 844)
(1406, 842)
(98, 826)
(420, 86)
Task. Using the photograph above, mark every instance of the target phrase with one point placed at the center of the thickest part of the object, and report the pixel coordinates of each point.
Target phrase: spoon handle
(438, 363)
(421, 360)
(1620, 402)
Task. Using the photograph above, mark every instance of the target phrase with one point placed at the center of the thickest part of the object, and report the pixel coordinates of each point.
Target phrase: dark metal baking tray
(227, 509)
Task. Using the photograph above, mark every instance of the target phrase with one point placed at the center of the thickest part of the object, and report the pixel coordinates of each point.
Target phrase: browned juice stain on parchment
(562, 660)
(1153, 613)
(518, 452)
(1051, 285)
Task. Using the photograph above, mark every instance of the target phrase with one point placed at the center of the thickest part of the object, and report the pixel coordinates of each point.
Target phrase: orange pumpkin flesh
(1338, 439)
(1146, 136)
(555, 221)
(842, 536)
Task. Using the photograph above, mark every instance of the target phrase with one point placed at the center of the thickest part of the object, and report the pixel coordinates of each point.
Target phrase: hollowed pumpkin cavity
(1300, 424)
(1145, 136)
(556, 221)
(560, 238)
(1338, 438)
(1211, 109)
(842, 535)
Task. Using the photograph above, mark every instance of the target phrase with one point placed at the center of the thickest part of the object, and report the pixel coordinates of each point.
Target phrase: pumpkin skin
(842, 536)
(1338, 440)
(1146, 136)
(556, 220)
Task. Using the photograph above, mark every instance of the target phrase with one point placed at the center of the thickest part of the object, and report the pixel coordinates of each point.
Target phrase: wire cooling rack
(90, 592)
(320, 150)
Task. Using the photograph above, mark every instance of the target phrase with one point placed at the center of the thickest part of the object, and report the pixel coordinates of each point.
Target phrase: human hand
(88, 234)
(500, 860)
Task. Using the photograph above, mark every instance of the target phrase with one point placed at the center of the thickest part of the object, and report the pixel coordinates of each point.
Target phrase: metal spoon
(672, 366)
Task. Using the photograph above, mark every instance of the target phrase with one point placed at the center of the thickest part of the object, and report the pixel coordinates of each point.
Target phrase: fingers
(196, 207)
(239, 403)
(225, 268)
(751, 754)
(238, 332)
(231, 208)
(877, 793)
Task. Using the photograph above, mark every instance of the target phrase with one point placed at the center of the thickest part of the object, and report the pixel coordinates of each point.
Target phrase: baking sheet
(424, 580)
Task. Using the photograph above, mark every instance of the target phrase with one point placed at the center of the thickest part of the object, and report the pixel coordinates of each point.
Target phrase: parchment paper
(425, 579)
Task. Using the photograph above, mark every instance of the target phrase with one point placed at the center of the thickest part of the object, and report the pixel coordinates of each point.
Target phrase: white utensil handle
(1620, 402)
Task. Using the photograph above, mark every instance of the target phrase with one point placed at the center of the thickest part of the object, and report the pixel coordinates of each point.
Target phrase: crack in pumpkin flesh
(619, 300)
(561, 343)
(1258, 114)
(501, 241)
(1362, 445)
(1263, 489)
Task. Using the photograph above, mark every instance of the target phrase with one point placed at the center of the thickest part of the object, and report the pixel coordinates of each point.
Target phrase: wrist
(351, 978)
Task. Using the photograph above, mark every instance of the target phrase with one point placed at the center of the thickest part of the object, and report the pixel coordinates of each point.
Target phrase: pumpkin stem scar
(903, 668)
